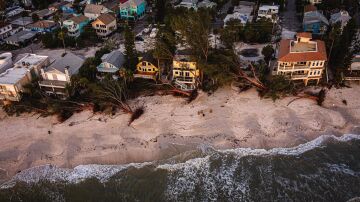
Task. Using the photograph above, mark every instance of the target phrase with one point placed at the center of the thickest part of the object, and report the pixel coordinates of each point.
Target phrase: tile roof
(106, 18)
(94, 8)
(309, 7)
(79, 19)
(286, 56)
(43, 24)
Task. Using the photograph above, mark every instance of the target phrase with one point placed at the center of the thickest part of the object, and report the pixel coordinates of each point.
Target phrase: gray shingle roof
(115, 58)
(70, 61)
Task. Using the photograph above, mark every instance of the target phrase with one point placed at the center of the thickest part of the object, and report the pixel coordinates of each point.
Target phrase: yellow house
(185, 72)
(146, 68)
(104, 25)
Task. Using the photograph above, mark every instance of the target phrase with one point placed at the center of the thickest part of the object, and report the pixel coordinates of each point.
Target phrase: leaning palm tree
(61, 36)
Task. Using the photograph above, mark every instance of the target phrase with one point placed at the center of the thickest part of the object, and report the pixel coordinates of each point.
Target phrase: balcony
(181, 79)
(145, 75)
(294, 67)
(53, 84)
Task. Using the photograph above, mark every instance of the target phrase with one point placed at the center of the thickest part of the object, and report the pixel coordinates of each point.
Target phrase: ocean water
(325, 169)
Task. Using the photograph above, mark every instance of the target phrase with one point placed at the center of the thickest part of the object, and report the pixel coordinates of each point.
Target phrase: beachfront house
(146, 68)
(13, 80)
(57, 76)
(184, 71)
(269, 12)
(315, 22)
(132, 9)
(43, 26)
(110, 65)
(76, 24)
(341, 17)
(353, 72)
(301, 59)
(93, 11)
(104, 25)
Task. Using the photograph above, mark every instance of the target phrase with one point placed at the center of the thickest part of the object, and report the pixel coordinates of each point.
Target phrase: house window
(149, 70)
(54, 77)
(187, 74)
(143, 63)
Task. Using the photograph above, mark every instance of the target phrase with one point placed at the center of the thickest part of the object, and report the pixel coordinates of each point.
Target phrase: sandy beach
(225, 119)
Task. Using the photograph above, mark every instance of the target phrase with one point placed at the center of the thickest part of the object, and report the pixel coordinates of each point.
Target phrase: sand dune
(169, 126)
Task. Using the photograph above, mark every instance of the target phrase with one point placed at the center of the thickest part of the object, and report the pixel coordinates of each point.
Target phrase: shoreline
(169, 126)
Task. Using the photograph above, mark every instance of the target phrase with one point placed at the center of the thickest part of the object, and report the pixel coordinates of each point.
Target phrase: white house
(268, 12)
(13, 80)
(56, 77)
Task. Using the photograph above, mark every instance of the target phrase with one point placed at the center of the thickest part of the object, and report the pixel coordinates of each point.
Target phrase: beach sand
(169, 126)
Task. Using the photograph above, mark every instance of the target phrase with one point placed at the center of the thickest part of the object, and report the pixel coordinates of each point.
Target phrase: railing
(299, 76)
(185, 79)
(183, 86)
(294, 67)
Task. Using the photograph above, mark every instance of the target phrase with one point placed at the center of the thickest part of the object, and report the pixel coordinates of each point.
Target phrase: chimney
(67, 73)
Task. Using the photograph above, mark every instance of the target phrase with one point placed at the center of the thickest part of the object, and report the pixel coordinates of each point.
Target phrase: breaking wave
(324, 169)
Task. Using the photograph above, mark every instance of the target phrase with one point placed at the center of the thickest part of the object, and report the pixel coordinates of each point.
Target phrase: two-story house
(93, 11)
(57, 76)
(132, 9)
(75, 25)
(146, 68)
(43, 26)
(301, 59)
(110, 65)
(13, 80)
(184, 71)
(104, 25)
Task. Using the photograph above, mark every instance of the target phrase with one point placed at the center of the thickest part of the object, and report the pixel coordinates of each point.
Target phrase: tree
(61, 35)
(35, 17)
(268, 51)
(231, 32)
(130, 52)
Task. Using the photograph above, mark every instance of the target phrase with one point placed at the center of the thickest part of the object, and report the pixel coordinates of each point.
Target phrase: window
(54, 77)
(311, 73)
(187, 74)
(143, 63)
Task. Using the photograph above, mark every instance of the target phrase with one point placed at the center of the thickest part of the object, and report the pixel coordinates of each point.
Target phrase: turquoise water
(326, 169)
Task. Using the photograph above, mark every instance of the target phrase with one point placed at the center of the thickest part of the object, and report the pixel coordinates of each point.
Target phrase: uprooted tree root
(318, 97)
(136, 114)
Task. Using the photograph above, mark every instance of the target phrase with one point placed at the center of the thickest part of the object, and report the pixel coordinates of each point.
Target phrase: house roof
(12, 75)
(44, 13)
(313, 17)
(22, 21)
(79, 19)
(106, 18)
(115, 58)
(131, 3)
(285, 55)
(21, 36)
(94, 8)
(69, 61)
(148, 57)
(43, 24)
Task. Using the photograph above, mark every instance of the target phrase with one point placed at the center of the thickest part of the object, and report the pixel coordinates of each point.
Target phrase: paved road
(289, 19)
